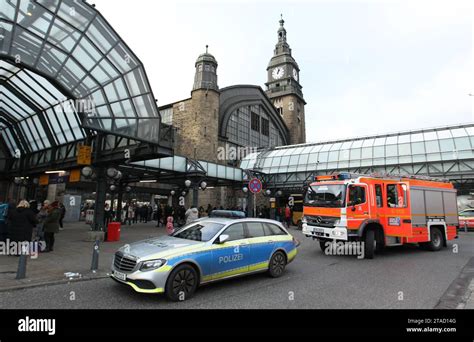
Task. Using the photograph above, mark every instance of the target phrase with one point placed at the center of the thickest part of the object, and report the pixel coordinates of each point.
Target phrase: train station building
(78, 118)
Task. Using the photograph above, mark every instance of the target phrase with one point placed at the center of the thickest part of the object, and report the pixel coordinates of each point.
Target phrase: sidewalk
(72, 253)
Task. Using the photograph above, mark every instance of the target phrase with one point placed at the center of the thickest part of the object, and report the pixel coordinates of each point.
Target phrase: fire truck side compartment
(433, 203)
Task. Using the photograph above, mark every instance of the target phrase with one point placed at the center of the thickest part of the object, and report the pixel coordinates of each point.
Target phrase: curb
(52, 282)
(458, 293)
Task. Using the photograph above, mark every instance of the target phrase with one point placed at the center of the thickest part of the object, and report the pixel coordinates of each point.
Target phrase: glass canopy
(433, 146)
(180, 164)
(62, 65)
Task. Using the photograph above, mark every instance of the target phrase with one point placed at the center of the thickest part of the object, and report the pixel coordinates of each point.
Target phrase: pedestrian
(3, 221)
(191, 215)
(107, 214)
(170, 225)
(62, 208)
(51, 225)
(158, 216)
(288, 216)
(278, 214)
(131, 214)
(21, 222)
(42, 214)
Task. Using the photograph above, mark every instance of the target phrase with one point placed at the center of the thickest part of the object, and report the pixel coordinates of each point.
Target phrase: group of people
(282, 214)
(29, 221)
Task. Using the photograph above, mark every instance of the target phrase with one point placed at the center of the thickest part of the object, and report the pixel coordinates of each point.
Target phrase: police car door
(231, 257)
(261, 246)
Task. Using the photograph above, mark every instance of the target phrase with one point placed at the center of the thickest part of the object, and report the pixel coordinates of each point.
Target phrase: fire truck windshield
(325, 195)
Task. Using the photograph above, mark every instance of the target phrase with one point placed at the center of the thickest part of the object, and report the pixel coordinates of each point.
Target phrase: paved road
(403, 277)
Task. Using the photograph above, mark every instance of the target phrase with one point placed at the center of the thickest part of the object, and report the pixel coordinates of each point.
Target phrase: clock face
(295, 74)
(278, 73)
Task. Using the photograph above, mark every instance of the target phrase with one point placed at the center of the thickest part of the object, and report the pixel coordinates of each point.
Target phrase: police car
(202, 252)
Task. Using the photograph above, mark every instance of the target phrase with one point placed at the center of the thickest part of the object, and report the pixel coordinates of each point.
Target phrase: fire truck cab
(380, 211)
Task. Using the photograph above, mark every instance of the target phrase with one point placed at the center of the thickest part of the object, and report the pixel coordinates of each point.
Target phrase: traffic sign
(255, 185)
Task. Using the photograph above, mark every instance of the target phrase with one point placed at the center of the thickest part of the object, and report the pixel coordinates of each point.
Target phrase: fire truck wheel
(300, 225)
(436, 242)
(369, 244)
(322, 244)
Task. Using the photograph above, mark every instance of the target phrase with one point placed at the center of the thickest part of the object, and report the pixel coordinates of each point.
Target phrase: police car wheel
(182, 283)
(277, 265)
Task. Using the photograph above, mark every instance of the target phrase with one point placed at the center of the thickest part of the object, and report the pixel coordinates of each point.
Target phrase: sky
(367, 67)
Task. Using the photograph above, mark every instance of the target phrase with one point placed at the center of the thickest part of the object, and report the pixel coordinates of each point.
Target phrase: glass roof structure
(181, 165)
(63, 69)
(446, 151)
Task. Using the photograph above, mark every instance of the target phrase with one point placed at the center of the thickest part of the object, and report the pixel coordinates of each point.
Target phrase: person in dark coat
(21, 222)
(51, 225)
(63, 214)
(3, 221)
(159, 215)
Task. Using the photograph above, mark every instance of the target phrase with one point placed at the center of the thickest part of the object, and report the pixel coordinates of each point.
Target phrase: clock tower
(284, 89)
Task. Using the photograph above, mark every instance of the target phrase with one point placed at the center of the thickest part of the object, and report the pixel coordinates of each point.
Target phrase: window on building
(265, 127)
(255, 122)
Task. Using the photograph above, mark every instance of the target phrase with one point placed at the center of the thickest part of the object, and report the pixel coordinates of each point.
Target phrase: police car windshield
(325, 195)
(201, 231)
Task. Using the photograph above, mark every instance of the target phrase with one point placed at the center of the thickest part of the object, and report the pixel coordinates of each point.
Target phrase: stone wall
(197, 122)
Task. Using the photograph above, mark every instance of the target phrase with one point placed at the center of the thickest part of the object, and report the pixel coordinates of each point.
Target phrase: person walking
(62, 208)
(107, 214)
(51, 225)
(3, 221)
(159, 214)
(21, 222)
(170, 225)
(191, 215)
(131, 214)
(288, 216)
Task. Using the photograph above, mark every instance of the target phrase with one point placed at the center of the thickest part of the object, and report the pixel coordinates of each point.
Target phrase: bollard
(95, 257)
(465, 226)
(21, 271)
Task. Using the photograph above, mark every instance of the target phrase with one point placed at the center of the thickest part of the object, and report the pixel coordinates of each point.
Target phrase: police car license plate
(318, 230)
(120, 275)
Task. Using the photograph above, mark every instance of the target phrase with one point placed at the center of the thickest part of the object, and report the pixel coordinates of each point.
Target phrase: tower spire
(281, 32)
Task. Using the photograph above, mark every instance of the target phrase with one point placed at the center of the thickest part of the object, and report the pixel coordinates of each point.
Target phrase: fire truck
(380, 211)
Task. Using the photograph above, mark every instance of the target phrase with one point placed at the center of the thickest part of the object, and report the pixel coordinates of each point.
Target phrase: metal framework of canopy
(65, 74)
(446, 152)
(180, 165)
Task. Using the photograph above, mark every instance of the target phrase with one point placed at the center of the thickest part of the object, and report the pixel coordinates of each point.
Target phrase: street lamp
(203, 185)
(268, 192)
(245, 189)
(172, 192)
(113, 187)
(87, 171)
(187, 182)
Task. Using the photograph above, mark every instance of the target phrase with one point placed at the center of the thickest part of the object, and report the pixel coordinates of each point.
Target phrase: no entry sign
(255, 185)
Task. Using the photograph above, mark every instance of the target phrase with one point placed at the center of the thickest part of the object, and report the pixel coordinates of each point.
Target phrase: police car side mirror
(222, 238)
